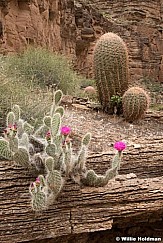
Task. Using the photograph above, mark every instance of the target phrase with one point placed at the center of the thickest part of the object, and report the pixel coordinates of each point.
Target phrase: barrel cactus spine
(135, 102)
(111, 68)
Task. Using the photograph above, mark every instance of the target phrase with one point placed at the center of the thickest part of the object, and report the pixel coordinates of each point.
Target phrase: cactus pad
(16, 111)
(56, 123)
(39, 198)
(57, 97)
(55, 182)
(86, 139)
(60, 110)
(21, 157)
(49, 164)
(51, 149)
(5, 151)
(47, 121)
(28, 128)
(10, 118)
(13, 144)
(92, 179)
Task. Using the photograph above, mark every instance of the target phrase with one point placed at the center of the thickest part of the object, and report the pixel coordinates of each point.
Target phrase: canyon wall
(73, 27)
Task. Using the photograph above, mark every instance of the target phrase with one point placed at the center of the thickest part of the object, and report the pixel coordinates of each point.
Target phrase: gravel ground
(106, 129)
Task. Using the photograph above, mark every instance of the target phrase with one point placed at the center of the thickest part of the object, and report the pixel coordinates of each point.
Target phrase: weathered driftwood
(127, 200)
(144, 159)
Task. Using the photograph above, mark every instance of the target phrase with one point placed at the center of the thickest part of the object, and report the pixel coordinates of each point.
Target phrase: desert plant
(111, 68)
(135, 102)
(55, 160)
(116, 104)
(34, 101)
(38, 192)
(45, 68)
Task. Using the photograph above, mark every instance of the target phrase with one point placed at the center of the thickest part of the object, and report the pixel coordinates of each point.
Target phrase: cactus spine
(135, 102)
(111, 68)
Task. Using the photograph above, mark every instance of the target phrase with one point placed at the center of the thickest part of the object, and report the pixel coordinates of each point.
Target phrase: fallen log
(126, 201)
(144, 159)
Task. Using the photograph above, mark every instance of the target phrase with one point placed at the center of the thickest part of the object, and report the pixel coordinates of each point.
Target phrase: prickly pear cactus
(92, 179)
(110, 68)
(135, 102)
(53, 177)
(5, 151)
(49, 150)
(21, 157)
(38, 192)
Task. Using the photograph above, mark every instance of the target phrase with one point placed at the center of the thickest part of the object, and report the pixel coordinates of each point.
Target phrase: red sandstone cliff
(72, 28)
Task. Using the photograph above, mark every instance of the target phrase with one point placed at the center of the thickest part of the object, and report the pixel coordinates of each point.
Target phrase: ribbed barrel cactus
(135, 102)
(111, 70)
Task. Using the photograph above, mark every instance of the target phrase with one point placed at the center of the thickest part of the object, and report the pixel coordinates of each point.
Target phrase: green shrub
(34, 101)
(44, 68)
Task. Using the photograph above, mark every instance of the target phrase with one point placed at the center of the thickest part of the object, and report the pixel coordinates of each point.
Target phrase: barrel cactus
(135, 102)
(111, 68)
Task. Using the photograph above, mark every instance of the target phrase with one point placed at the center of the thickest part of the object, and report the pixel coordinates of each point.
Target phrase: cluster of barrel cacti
(48, 150)
(112, 79)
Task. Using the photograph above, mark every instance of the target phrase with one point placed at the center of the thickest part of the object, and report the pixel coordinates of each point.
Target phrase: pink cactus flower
(120, 146)
(14, 127)
(10, 130)
(32, 184)
(48, 134)
(65, 130)
(5, 130)
(37, 180)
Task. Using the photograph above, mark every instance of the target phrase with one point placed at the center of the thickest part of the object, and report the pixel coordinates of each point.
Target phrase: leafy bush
(44, 68)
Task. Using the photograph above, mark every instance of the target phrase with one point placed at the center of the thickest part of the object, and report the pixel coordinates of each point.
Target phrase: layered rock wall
(73, 27)
(140, 24)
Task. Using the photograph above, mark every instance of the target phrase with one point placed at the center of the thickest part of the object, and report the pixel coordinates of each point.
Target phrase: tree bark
(128, 200)
(143, 159)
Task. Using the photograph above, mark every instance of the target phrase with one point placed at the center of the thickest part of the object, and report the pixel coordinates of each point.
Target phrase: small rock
(131, 176)
(137, 146)
(120, 178)
(89, 90)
